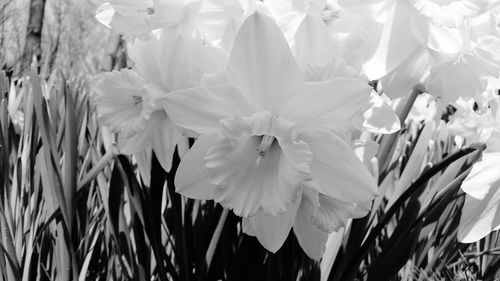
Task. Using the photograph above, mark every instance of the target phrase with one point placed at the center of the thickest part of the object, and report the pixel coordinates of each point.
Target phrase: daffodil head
(123, 104)
(265, 133)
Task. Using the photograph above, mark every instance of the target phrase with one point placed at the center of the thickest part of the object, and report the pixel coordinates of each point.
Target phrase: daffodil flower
(319, 54)
(122, 103)
(137, 19)
(482, 186)
(265, 133)
(472, 125)
(128, 101)
(432, 42)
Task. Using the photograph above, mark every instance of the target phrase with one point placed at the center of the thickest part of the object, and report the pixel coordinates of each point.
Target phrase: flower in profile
(137, 19)
(482, 202)
(431, 42)
(265, 133)
(471, 124)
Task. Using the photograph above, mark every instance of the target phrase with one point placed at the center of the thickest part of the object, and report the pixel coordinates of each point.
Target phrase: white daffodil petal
(192, 178)
(443, 39)
(165, 138)
(131, 18)
(327, 105)
(200, 109)
(479, 217)
(336, 169)
(333, 214)
(381, 118)
(401, 81)
(261, 64)
(450, 12)
(280, 8)
(215, 16)
(396, 43)
(272, 231)
(313, 42)
(145, 53)
(451, 80)
(160, 133)
(104, 14)
(373, 9)
(484, 177)
(247, 228)
(310, 237)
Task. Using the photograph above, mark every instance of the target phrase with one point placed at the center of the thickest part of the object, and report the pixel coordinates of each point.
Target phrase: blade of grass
(213, 245)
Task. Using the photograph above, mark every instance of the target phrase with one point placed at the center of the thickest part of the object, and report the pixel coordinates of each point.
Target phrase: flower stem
(213, 243)
(388, 142)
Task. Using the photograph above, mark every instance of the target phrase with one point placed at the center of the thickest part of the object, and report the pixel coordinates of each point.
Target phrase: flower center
(137, 99)
(266, 142)
(149, 11)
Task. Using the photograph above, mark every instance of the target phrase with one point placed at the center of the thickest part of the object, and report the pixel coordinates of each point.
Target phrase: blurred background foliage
(72, 208)
(72, 41)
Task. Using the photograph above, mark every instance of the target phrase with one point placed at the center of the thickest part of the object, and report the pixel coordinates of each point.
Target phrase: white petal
(311, 239)
(328, 104)
(169, 13)
(396, 43)
(214, 16)
(333, 245)
(164, 139)
(261, 64)
(333, 214)
(191, 178)
(443, 39)
(104, 14)
(373, 9)
(484, 176)
(493, 143)
(130, 18)
(381, 118)
(365, 150)
(186, 58)
(280, 8)
(336, 169)
(479, 217)
(246, 227)
(200, 109)
(450, 13)
(272, 231)
(451, 80)
(486, 56)
(313, 42)
(160, 133)
(401, 81)
(145, 54)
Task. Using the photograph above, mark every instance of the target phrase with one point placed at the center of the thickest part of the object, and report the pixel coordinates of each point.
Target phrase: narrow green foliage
(72, 208)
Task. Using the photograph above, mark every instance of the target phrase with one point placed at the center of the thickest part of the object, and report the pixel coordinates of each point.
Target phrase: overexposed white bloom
(265, 133)
(437, 42)
(122, 103)
(474, 125)
(137, 19)
(482, 202)
(128, 101)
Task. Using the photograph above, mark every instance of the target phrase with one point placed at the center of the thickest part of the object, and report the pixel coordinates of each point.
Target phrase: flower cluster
(277, 95)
